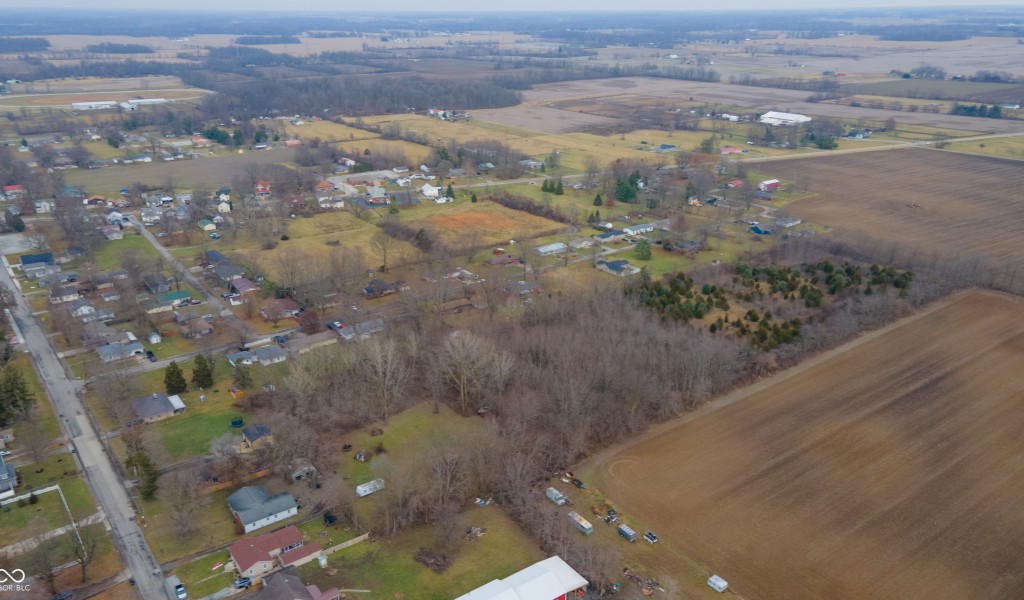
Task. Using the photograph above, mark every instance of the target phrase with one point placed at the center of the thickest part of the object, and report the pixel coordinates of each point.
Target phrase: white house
(551, 249)
(254, 508)
(81, 307)
(783, 119)
(430, 191)
(114, 216)
(638, 229)
(223, 207)
(44, 206)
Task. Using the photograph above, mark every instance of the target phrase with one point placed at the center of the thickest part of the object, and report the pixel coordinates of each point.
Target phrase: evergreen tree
(147, 473)
(643, 250)
(17, 224)
(243, 377)
(559, 190)
(24, 143)
(544, 187)
(15, 398)
(202, 372)
(450, 193)
(598, 201)
(473, 199)
(174, 379)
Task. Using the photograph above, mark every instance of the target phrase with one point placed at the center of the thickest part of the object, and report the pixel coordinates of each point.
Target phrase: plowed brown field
(890, 468)
(941, 203)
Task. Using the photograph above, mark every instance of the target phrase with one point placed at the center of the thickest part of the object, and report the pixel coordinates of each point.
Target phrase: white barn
(780, 118)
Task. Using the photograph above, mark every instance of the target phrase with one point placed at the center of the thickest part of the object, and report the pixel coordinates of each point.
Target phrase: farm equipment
(647, 586)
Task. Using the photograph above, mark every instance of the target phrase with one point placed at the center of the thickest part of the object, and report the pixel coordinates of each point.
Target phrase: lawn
(49, 428)
(108, 255)
(15, 520)
(409, 433)
(387, 567)
(312, 235)
(49, 507)
(190, 434)
(200, 577)
(325, 130)
(218, 527)
(999, 147)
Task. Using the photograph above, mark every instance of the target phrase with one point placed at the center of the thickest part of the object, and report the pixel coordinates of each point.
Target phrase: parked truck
(627, 532)
(556, 496)
(582, 524)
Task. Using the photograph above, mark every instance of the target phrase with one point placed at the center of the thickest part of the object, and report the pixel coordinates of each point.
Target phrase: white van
(717, 583)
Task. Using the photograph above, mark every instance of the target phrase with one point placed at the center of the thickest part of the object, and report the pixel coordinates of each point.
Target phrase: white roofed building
(780, 118)
(550, 579)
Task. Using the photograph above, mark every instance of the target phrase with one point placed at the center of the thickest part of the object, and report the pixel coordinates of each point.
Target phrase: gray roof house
(156, 407)
(254, 507)
(120, 350)
(264, 355)
(228, 272)
(157, 283)
(619, 268)
(8, 479)
(81, 307)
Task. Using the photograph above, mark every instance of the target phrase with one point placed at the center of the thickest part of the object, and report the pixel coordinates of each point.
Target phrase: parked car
(650, 537)
(5, 453)
(150, 356)
(242, 583)
(579, 484)
(161, 234)
(336, 326)
(215, 236)
(179, 591)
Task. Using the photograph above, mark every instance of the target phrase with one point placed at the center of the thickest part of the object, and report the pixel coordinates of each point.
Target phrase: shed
(369, 487)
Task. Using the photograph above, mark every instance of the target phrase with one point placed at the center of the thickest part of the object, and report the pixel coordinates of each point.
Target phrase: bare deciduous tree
(84, 544)
(385, 372)
(181, 495)
(463, 364)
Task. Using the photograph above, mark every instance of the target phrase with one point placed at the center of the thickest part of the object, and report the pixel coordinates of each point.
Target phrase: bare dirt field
(542, 118)
(63, 100)
(210, 173)
(941, 203)
(635, 89)
(889, 468)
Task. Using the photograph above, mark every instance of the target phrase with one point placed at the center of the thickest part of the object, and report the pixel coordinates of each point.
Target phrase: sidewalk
(26, 545)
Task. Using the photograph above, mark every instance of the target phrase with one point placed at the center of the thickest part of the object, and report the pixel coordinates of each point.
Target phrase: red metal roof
(299, 553)
(248, 551)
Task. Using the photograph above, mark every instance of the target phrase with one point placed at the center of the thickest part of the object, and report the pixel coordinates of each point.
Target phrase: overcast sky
(478, 5)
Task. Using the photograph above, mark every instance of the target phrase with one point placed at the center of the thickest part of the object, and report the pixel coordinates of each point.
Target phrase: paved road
(105, 484)
(213, 299)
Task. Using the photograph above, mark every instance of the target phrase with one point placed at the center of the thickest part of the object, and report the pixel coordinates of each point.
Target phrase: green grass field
(218, 527)
(388, 567)
(200, 577)
(108, 255)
